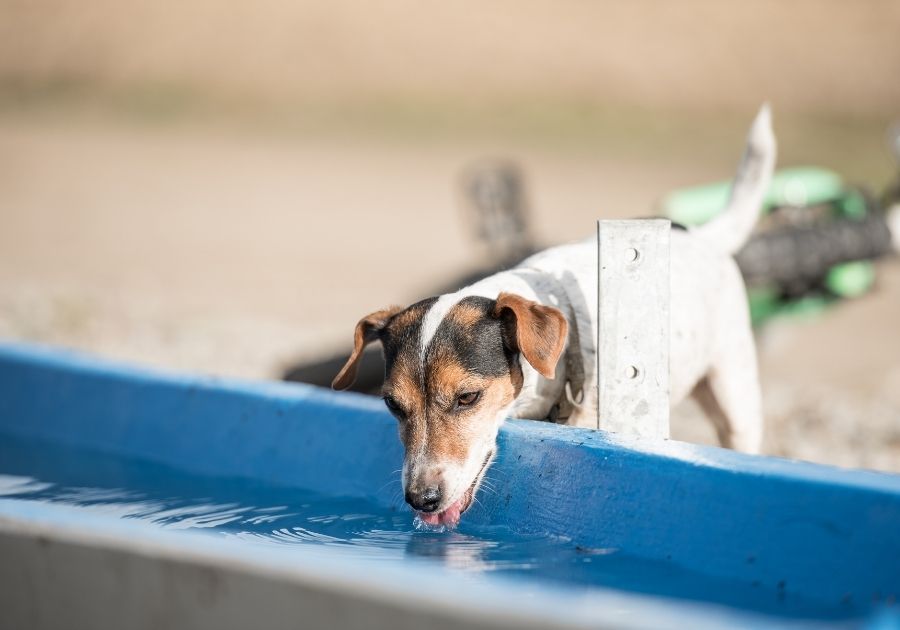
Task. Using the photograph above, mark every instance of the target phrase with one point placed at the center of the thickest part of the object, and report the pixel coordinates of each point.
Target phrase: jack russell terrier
(522, 344)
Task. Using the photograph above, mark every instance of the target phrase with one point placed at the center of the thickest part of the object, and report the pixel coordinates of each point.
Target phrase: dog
(522, 343)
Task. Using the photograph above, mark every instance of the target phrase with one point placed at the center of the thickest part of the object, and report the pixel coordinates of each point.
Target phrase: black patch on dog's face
(466, 356)
(473, 338)
(469, 352)
(401, 337)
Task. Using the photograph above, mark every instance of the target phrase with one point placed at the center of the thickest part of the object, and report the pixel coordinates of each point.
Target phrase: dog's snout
(431, 498)
(427, 500)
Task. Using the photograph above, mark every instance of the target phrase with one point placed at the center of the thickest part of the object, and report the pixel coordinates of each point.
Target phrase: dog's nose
(426, 501)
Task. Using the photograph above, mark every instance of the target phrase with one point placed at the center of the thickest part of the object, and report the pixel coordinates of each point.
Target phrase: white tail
(731, 229)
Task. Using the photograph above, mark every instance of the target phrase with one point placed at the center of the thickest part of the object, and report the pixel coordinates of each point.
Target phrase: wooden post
(633, 327)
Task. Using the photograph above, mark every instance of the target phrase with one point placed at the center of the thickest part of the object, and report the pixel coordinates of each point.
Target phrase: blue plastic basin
(572, 512)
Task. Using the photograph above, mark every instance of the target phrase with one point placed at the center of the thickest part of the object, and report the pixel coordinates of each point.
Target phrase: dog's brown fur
(474, 354)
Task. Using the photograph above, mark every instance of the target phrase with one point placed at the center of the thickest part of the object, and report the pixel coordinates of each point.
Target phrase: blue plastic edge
(828, 533)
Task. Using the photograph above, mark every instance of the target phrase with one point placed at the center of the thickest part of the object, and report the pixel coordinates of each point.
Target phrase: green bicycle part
(800, 186)
(852, 204)
(844, 281)
(850, 279)
(765, 305)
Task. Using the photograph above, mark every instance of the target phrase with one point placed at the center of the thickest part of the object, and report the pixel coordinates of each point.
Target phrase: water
(250, 512)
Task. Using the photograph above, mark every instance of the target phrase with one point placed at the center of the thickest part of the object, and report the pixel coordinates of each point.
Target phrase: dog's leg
(730, 397)
(706, 399)
(741, 430)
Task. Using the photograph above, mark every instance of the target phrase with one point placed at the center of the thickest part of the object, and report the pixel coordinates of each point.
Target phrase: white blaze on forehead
(435, 316)
(430, 323)
(490, 288)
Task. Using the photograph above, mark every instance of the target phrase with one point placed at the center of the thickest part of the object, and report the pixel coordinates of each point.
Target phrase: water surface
(299, 521)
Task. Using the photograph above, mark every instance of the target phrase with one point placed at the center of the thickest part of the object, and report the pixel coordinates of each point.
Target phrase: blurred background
(228, 187)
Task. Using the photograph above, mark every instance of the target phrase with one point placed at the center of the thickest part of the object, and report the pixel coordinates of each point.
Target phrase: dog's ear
(537, 331)
(367, 330)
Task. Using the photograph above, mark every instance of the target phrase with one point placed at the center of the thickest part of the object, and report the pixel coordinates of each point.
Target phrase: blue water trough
(604, 531)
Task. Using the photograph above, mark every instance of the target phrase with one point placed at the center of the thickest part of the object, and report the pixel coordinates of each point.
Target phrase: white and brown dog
(522, 344)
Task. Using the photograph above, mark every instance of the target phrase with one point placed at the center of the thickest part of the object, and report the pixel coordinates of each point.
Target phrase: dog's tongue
(448, 518)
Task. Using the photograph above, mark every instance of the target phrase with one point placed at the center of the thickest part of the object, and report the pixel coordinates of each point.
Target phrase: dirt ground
(808, 55)
(235, 253)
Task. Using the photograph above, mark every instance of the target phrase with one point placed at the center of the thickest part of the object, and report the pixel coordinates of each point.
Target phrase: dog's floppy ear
(537, 331)
(367, 330)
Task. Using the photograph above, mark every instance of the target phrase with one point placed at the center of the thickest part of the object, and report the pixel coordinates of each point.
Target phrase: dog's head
(452, 371)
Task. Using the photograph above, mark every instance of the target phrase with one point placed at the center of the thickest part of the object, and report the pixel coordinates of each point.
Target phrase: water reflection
(263, 514)
(377, 533)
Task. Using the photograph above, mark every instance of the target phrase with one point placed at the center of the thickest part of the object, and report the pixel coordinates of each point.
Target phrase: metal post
(633, 327)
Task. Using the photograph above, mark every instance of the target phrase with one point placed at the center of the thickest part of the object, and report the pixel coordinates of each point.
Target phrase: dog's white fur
(712, 353)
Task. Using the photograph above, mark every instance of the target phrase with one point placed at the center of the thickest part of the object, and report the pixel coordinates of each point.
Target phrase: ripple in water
(287, 518)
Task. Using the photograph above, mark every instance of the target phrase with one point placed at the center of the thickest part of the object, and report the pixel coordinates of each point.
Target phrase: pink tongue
(449, 517)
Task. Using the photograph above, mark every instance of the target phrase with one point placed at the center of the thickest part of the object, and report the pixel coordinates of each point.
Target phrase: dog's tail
(731, 229)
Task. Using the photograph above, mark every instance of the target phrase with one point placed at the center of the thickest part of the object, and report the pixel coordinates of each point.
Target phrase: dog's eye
(393, 406)
(468, 399)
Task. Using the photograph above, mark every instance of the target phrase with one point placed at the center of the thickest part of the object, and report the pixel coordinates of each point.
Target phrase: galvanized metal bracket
(633, 327)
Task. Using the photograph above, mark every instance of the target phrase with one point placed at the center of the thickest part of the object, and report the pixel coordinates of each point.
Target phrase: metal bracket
(633, 327)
